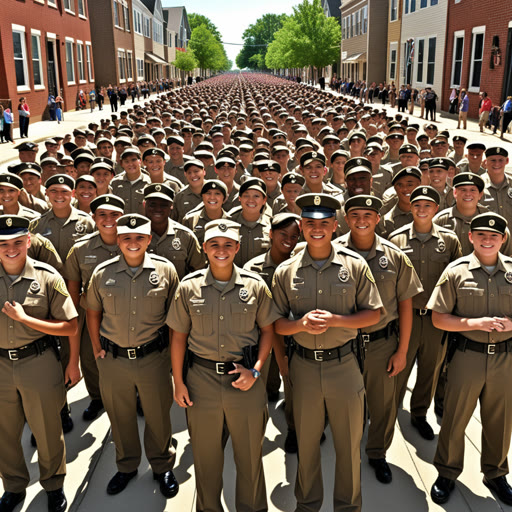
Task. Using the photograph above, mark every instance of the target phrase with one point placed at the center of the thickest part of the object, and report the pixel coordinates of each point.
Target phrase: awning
(155, 58)
(355, 57)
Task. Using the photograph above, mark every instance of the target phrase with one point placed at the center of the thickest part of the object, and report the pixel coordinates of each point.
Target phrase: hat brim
(217, 233)
(318, 214)
(144, 229)
(109, 207)
(11, 236)
(424, 198)
(158, 195)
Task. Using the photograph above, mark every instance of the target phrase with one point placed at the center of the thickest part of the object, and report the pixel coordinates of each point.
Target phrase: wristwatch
(255, 373)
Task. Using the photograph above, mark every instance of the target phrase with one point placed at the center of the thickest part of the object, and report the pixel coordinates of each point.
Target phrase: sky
(232, 17)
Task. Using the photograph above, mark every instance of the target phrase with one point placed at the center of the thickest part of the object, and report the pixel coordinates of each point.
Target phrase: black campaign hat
(363, 202)
(489, 221)
(468, 178)
(13, 226)
(159, 190)
(107, 202)
(426, 193)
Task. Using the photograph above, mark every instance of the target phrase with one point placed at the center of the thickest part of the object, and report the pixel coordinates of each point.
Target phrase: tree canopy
(307, 38)
(195, 20)
(256, 39)
(185, 61)
(208, 51)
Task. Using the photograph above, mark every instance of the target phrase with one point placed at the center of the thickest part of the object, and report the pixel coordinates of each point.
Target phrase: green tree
(185, 61)
(195, 20)
(307, 38)
(208, 51)
(256, 39)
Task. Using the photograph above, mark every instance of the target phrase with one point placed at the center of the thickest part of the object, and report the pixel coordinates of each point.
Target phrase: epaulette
(399, 231)
(87, 237)
(389, 244)
(83, 214)
(464, 260)
(156, 257)
(197, 273)
(341, 249)
(249, 273)
(234, 211)
(180, 227)
(115, 259)
(43, 266)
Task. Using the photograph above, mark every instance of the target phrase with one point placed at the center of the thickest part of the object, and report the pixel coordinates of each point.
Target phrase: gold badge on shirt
(154, 278)
(383, 262)
(441, 246)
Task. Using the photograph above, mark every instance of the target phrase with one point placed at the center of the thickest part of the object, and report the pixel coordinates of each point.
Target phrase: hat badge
(317, 200)
(425, 190)
(314, 154)
(441, 246)
(368, 202)
(492, 222)
(107, 199)
(9, 222)
(133, 222)
(214, 185)
(470, 178)
(158, 188)
(8, 178)
(358, 161)
(35, 287)
(61, 180)
(223, 227)
(498, 150)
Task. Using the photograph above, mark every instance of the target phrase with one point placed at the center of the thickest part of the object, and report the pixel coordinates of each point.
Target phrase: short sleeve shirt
(131, 193)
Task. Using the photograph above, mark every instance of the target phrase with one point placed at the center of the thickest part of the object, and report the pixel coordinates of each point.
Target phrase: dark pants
(430, 108)
(507, 117)
(402, 105)
(113, 105)
(24, 126)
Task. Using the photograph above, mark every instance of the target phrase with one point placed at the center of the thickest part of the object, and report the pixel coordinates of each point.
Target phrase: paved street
(91, 453)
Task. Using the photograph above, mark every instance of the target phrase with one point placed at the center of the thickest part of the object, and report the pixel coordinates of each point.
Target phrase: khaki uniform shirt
(180, 246)
(41, 249)
(327, 188)
(498, 198)
(272, 196)
(131, 193)
(455, 157)
(64, 235)
(42, 292)
(27, 213)
(232, 199)
(178, 171)
(382, 180)
(221, 320)
(264, 266)
(466, 289)
(197, 220)
(394, 275)
(429, 257)
(393, 220)
(254, 237)
(134, 306)
(184, 201)
(463, 166)
(84, 257)
(343, 285)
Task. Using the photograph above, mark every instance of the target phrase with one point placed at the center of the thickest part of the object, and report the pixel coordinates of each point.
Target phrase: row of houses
(443, 44)
(60, 47)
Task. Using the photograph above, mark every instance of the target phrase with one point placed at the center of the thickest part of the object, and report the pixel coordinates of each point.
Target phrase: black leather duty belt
(221, 368)
(36, 347)
(463, 344)
(323, 355)
(386, 332)
(132, 353)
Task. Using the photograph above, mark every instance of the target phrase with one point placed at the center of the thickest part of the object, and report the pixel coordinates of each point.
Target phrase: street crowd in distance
(204, 245)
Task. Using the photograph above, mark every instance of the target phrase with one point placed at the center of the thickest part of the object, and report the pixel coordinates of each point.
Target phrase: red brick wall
(33, 14)
(495, 16)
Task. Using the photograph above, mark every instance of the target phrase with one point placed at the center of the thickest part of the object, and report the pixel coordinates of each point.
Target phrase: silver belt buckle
(423, 312)
(220, 369)
(366, 338)
(132, 353)
(319, 355)
(491, 349)
(13, 355)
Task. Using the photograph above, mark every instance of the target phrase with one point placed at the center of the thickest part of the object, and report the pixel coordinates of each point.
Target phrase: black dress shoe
(9, 500)
(92, 411)
(273, 396)
(382, 470)
(290, 443)
(169, 486)
(119, 482)
(441, 490)
(501, 488)
(57, 501)
(67, 422)
(421, 425)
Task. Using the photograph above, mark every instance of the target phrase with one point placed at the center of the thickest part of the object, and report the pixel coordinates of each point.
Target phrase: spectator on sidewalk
(24, 113)
(101, 98)
(484, 110)
(58, 111)
(112, 96)
(506, 108)
(92, 99)
(463, 110)
(52, 107)
(430, 103)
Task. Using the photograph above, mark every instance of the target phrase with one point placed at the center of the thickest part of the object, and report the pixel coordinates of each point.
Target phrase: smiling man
(498, 185)
(10, 189)
(189, 197)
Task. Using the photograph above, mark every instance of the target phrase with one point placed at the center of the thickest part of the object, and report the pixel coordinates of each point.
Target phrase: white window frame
(126, 18)
(393, 47)
(82, 15)
(476, 31)
(129, 65)
(425, 6)
(80, 61)
(459, 34)
(53, 3)
(146, 26)
(137, 22)
(117, 17)
(428, 59)
(364, 21)
(393, 10)
(121, 62)
(69, 6)
(88, 57)
(71, 41)
(140, 70)
(37, 35)
(21, 30)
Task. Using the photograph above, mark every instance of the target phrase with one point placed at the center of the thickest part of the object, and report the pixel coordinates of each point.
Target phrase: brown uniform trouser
(32, 389)
(87, 359)
(381, 396)
(120, 379)
(424, 348)
(474, 377)
(217, 404)
(336, 387)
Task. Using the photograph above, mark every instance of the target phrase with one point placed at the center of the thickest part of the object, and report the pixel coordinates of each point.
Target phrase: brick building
(478, 51)
(45, 48)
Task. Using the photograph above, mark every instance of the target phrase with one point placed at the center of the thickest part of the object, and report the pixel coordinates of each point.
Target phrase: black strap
(463, 344)
(324, 355)
(220, 367)
(390, 329)
(132, 353)
(36, 347)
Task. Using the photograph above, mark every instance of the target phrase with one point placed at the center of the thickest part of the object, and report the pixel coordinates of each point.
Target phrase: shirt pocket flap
(468, 292)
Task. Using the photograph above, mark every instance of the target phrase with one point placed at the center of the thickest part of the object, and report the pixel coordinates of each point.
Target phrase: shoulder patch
(369, 275)
(408, 261)
(33, 224)
(177, 294)
(442, 279)
(60, 286)
(249, 273)
(268, 292)
(70, 252)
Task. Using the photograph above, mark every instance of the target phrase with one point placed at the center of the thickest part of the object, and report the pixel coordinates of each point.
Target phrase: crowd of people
(243, 231)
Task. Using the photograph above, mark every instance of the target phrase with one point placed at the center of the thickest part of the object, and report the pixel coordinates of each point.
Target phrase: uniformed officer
(36, 305)
(323, 295)
(83, 258)
(10, 188)
(473, 301)
(127, 302)
(386, 342)
(430, 248)
(188, 198)
(223, 316)
(291, 187)
(168, 238)
(498, 184)
(312, 167)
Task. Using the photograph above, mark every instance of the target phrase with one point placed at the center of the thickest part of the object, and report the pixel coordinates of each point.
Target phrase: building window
(117, 21)
(477, 54)
(423, 4)
(70, 64)
(393, 10)
(36, 60)
(140, 69)
(392, 63)
(52, 3)
(357, 29)
(353, 26)
(137, 22)
(458, 53)
(435, 2)
(121, 60)
(88, 52)
(20, 58)
(129, 71)
(81, 8)
(157, 32)
(80, 60)
(69, 6)
(147, 27)
(126, 13)
(365, 19)
(421, 56)
(431, 64)
(343, 27)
